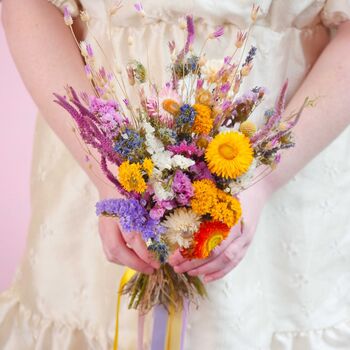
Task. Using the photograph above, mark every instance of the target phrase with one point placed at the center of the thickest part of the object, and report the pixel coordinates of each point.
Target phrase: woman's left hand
(231, 251)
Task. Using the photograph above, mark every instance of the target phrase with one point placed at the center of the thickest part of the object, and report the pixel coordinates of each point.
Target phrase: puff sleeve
(335, 12)
(72, 5)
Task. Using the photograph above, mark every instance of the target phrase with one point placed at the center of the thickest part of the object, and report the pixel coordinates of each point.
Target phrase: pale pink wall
(17, 115)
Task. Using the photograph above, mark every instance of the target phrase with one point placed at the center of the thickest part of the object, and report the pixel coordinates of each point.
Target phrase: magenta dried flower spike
(189, 39)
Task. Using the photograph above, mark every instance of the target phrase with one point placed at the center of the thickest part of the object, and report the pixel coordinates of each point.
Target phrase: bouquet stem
(164, 287)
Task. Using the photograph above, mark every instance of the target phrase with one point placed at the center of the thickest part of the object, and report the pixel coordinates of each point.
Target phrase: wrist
(259, 193)
(108, 191)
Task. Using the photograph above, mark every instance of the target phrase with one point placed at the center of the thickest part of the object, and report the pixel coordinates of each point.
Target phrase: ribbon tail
(184, 323)
(174, 330)
(128, 274)
(159, 327)
(141, 327)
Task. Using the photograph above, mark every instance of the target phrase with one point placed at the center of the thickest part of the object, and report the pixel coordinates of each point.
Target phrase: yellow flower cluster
(228, 209)
(204, 121)
(205, 196)
(148, 166)
(208, 199)
(130, 177)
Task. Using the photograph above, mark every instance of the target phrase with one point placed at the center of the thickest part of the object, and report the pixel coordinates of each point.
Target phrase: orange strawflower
(209, 236)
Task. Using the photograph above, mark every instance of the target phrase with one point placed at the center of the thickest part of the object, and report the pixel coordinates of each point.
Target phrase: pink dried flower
(241, 37)
(182, 188)
(254, 12)
(185, 149)
(68, 20)
(219, 31)
(201, 171)
(172, 46)
(200, 83)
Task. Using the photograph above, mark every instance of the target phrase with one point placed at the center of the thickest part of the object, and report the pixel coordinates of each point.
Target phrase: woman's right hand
(124, 248)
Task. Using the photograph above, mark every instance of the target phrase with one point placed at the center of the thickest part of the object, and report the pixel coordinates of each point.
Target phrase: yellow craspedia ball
(248, 128)
(229, 154)
(204, 121)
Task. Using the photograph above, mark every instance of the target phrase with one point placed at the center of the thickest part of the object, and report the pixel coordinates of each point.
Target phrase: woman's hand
(232, 250)
(124, 248)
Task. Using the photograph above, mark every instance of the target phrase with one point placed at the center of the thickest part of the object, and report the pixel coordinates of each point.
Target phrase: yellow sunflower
(229, 155)
(130, 177)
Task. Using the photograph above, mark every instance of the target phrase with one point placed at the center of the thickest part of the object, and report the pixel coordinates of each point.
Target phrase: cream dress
(292, 290)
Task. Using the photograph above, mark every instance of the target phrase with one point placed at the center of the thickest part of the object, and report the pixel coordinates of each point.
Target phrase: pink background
(17, 117)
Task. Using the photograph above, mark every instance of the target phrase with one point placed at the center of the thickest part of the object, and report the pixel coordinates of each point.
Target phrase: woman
(292, 289)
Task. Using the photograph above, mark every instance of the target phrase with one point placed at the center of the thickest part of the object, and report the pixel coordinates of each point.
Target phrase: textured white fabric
(292, 290)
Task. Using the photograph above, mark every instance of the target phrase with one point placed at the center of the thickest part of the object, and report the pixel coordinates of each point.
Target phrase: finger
(192, 264)
(115, 247)
(221, 273)
(137, 244)
(220, 262)
(176, 258)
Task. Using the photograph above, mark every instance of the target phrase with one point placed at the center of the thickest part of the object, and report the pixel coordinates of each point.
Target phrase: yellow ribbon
(174, 325)
(128, 275)
(174, 328)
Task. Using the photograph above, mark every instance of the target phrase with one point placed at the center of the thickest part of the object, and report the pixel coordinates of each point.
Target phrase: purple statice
(201, 171)
(186, 149)
(128, 144)
(186, 116)
(132, 215)
(182, 188)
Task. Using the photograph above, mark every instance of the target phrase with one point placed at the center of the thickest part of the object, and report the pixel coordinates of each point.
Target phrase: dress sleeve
(335, 12)
(72, 6)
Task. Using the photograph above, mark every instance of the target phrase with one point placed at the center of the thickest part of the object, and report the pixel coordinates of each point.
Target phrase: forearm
(48, 59)
(329, 79)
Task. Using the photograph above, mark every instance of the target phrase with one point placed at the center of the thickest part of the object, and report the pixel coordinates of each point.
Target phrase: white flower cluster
(162, 160)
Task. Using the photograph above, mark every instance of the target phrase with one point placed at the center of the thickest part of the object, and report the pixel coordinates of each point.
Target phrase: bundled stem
(164, 287)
